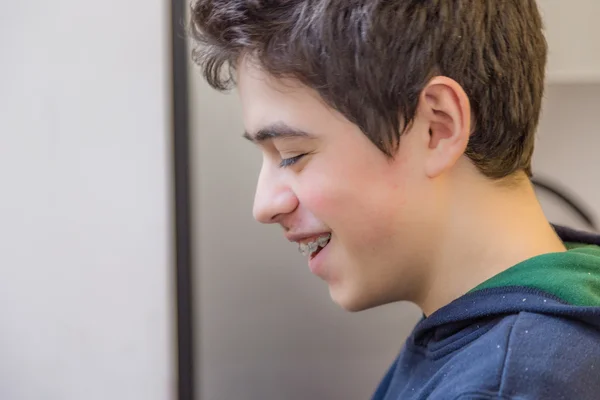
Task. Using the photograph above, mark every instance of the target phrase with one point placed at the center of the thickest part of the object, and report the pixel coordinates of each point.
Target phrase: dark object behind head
(370, 60)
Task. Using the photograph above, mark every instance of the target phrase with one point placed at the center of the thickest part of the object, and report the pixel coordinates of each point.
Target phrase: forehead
(253, 82)
(269, 101)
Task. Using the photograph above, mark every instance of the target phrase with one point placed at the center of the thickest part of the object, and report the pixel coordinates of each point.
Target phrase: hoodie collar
(572, 276)
(561, 284)
(467, 312)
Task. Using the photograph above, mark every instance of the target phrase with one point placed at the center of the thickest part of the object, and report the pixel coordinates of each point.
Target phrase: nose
(274, 199)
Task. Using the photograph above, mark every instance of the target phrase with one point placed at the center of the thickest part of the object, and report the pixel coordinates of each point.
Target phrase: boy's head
(374, 117)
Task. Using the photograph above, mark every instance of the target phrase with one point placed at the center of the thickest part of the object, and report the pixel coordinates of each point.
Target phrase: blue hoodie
(531, 332)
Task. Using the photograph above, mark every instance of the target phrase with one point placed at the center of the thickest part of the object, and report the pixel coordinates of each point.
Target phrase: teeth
(310, 247)
(323, 240)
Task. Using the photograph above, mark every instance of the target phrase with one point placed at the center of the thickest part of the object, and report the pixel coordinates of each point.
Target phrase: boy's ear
(447, 110)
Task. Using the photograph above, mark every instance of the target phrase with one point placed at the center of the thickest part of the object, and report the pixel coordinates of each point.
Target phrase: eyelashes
(287, 162)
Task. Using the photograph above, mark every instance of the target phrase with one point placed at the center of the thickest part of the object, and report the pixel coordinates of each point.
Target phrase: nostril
(271, 209)
(275, 218)
(267, 214)
(263, 217)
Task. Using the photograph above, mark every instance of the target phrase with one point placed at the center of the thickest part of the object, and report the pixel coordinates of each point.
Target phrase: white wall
(86, 308)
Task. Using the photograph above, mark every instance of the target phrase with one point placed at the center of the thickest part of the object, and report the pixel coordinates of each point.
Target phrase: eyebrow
(275, 131)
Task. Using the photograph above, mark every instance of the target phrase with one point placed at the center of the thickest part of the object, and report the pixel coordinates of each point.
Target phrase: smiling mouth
(311, 249)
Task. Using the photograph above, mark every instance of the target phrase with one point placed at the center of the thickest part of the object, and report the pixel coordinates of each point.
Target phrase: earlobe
(446, 107)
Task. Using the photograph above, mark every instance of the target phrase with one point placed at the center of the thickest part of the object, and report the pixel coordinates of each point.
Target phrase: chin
(352, 300)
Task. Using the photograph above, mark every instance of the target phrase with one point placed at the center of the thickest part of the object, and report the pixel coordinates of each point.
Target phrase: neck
(490, 228)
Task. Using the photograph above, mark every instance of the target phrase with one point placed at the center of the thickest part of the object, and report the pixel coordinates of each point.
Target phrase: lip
(317, 263)
(299, 237)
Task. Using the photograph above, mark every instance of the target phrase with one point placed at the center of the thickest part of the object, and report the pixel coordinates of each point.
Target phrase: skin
(425, 226)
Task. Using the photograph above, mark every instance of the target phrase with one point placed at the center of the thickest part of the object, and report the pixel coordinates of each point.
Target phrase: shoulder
(558, 341)
(527, 356)
(551, 357)
(523, 356)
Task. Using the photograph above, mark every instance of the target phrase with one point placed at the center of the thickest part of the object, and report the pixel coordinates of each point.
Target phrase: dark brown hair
(370, 60)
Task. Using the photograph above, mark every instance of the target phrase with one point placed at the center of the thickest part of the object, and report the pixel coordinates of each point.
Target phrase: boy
(397, 139)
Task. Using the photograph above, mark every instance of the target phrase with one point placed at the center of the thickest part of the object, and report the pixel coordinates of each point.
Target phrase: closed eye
(286, 162)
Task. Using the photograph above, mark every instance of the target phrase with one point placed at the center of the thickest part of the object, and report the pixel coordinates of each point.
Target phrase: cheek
(319, 199)
(360, 207)
(356, 192)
